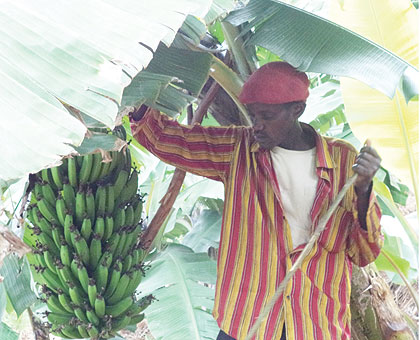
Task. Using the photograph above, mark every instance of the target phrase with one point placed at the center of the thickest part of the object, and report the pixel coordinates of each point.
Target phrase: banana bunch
(86, 217)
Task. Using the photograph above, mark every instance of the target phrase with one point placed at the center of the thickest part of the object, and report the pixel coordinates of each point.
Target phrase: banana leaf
(184, 303)
(17, 283)
(312, 43)
(392, 125)
(79, 53)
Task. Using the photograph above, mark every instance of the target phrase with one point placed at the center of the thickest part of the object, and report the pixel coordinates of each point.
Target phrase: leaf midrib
(188, 301)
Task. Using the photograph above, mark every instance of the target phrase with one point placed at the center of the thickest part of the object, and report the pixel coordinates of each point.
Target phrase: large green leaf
(312, 43)
(80, 53)
(6, 333)
(391, 125)
(206, 232)
(183, 307)
(161, 84)
(17, 283)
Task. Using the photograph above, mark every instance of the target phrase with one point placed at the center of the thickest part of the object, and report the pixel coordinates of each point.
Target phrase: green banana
(92, 291)
(69, 197)
(37, 190)
(48, 193)
(128, 161)
(74, 264)
(49, 243)
(57, 235)
(86, 169)
(65, 301)
(65, 273)
(92, 330)
(115, 278)
(104, 170)
(54, 304)
(138, 210)
(109, 228)
(130, 188)
(128, 261)
(99, 306)
(119, 219)
(60, 208)
(110, 199)
(113, 241)
(129, 216)
(68, 222)
(120, 323)
(95, 251)
(47, 210)
(136, 277)
(100, 200)
(71, 331)
(99, 227)
(43, 224)
(80, 314)
(75, 294)
(57, 177)
(50, 261)
(83, 277)
(101, 277)
(59, 319)
(120, 290)
(80, 205)
(39, 257)
(114, 162)
(121, 243)
(86, 229)
(82, 249)
(120, 307)
(72, 172)
(92, 317)
(96, 167)
(90, 205)
(120, 182)
(65, 255)
(131, 240)
(136, 319)
(106, 259)
(46, 177)
(83, 332)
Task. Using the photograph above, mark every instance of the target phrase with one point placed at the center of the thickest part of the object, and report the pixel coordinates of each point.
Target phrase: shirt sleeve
(205, 151)
(363, 245)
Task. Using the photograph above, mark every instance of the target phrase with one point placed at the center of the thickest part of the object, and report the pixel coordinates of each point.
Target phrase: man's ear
(297, 109)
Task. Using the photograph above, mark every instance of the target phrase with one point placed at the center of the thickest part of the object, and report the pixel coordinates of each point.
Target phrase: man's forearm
(363, 205)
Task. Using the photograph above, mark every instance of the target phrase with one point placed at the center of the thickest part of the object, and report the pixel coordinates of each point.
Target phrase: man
(280, 176)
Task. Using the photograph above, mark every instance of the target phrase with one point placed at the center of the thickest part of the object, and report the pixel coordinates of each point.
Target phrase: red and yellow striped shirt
(256, 246)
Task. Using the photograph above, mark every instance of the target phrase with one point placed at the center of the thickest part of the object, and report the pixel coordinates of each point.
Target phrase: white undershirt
(297, 179)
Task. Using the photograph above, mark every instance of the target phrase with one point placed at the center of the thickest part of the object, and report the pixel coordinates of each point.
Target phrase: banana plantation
(99, 239)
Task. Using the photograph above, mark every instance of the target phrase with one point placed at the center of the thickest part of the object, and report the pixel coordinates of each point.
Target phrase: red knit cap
(275, 83)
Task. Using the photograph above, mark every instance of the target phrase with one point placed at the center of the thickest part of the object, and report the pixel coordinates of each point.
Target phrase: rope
(321, 226)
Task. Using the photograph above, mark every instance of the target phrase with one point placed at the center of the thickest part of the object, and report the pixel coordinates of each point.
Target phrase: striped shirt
(255, 249)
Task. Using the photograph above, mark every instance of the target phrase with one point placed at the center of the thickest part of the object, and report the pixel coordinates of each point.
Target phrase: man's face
(271, 123)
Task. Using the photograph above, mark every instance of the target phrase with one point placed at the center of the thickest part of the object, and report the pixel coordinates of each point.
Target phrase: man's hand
(138, 114)
(366, 165)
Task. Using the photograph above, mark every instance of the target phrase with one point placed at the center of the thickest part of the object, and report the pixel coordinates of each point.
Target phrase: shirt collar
(323, 159)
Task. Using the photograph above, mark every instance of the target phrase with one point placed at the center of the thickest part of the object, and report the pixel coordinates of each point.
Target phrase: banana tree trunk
(375, 315)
